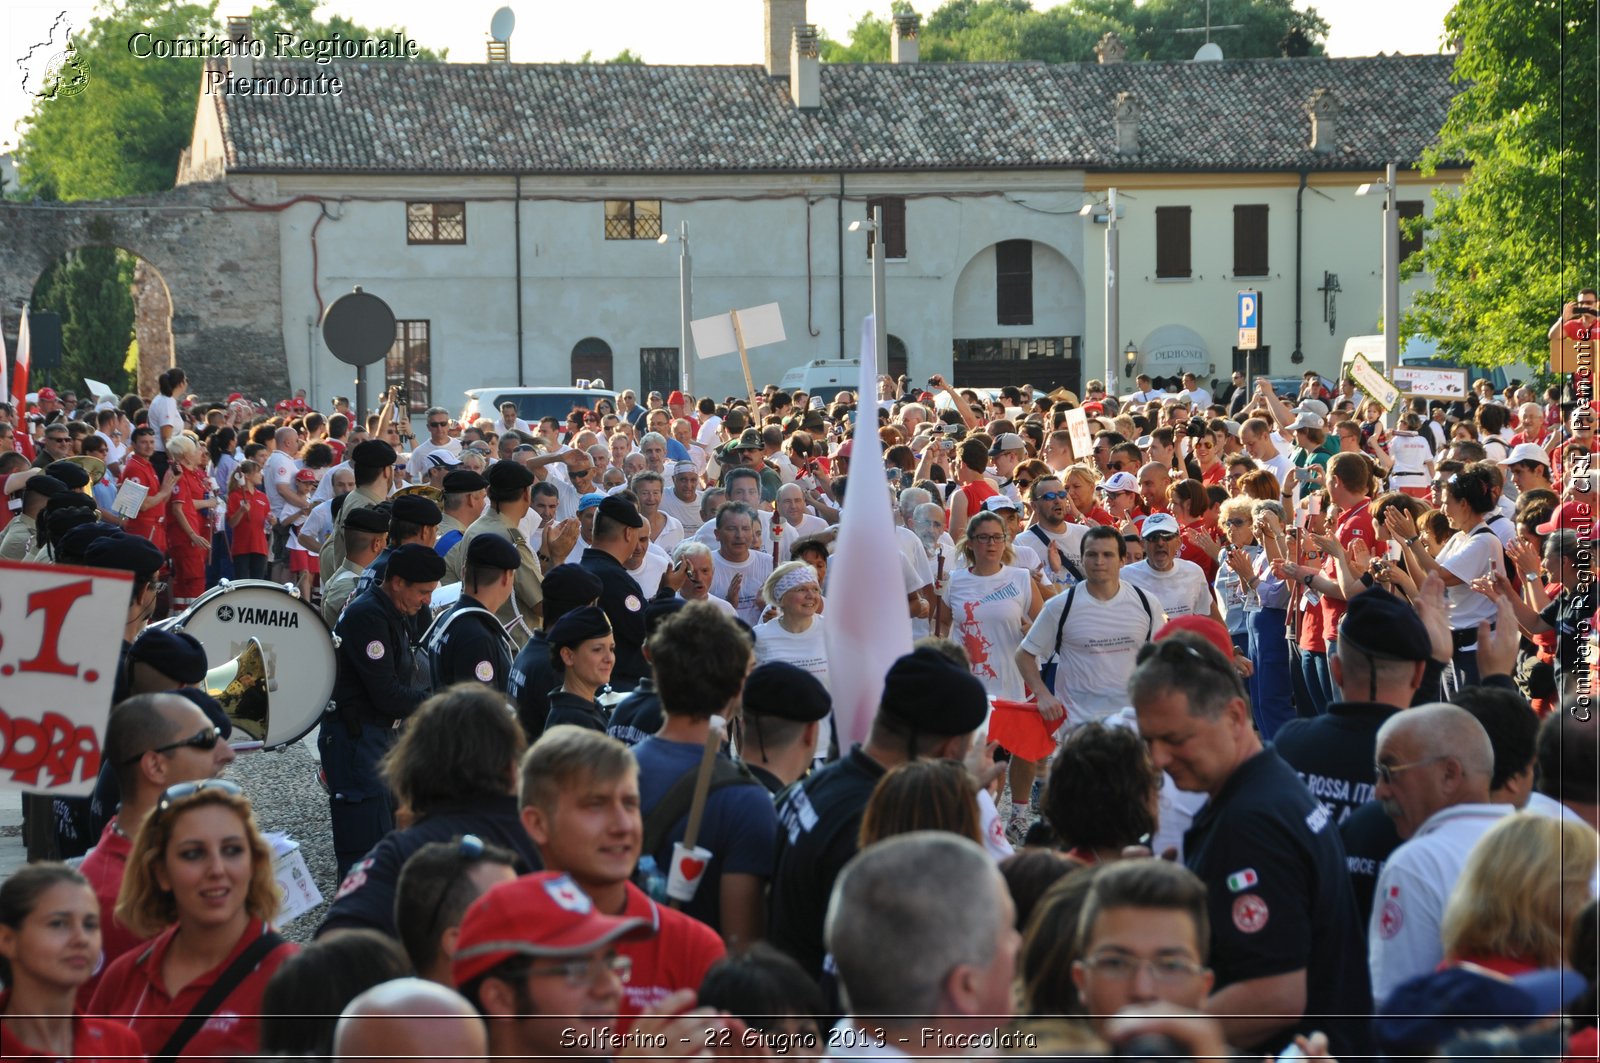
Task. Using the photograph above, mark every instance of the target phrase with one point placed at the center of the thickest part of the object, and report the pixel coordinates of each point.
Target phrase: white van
(823, 377)
(1423, 352)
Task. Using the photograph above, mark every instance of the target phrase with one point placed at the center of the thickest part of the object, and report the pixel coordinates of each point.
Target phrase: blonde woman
(188, 520)
(795, 635)
(199, 882)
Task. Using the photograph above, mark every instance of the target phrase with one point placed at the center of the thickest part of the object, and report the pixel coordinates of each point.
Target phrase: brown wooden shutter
(1250, 240)
(1013, 269)
(1172, 242)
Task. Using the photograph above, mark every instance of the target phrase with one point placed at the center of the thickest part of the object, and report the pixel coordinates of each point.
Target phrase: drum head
(300, 658)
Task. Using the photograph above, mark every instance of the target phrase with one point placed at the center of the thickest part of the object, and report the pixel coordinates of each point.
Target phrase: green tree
(1001, 30)
(91, 288)
(625, 57)
(1508, 246)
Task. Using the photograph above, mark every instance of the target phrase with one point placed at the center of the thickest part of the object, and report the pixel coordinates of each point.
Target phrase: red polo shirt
(152, 523)
(93, 1040)
(104, 868)
(675, 957)
(1354, 524)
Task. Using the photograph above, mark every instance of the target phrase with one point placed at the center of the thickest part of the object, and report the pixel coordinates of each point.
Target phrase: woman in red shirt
(1198, 530)
(201, 870)
(249, 511)
(1208, 455)
(49, 946)
(188, 521)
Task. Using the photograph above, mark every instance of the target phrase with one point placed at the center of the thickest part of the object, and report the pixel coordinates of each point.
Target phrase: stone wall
(218, 258)
(152, 325)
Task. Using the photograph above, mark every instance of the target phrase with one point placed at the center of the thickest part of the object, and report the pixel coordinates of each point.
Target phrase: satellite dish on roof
(501, 25)
(1209, 53)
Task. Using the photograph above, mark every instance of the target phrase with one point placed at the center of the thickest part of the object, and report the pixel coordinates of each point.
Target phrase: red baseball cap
(47, 394)
(306, 476)
(543, 914)
(234, 396)
(1574, 516)
(282, 406)
(1203, 626)
(676, 399)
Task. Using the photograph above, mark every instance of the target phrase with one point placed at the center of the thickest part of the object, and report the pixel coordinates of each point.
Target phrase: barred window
(633, 219)
(409, 363)
(436, 223)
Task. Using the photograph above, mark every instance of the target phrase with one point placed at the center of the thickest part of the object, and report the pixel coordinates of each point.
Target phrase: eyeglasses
(1116, 466)
(1238, 522)
(1050, 496)
(206, 740)
(1387, 772)
(174, 794)
(584, 973)
(1167, 970)
(1023, 485)
(469, 849)
(987, 540)
(438, 424)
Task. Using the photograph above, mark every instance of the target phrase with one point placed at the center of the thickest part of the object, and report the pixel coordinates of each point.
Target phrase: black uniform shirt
(375, 662)
(637, 716)
(567, 707)
(622, 600)
(1369, 836)
(472, 646)
(1334, 753)
(818, 820)
(530, 684)
(1279, 897)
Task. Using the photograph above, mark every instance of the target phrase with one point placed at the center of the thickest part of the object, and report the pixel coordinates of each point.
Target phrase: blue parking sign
(1249, 320)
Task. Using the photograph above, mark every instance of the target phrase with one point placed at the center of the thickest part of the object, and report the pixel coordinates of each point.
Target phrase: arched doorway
(591, 360)
(1018, 318)
(899, 358)
(116, 322)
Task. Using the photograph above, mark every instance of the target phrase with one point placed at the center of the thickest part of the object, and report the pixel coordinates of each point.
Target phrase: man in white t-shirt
(437, 421)
(1049, 497)
(742, 485)
(1260, 443)
(710, 433)
(795, 520)
(736, 529)
(279, 472)
(683, 500)
(1195, 393)
(1180, 586)
(1102, 623)
(509, 421)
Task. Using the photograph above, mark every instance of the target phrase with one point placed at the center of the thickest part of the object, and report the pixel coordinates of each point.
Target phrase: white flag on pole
(868, 626)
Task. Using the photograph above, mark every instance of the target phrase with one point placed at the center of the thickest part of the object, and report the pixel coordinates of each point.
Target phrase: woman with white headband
(795, 635)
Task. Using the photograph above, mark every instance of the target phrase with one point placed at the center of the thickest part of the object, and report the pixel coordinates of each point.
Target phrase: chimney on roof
(782, 16)
(805, 69)
(903, 44)
(1126, 120)
(1111, 49)
(241, 51)
(499, 51)
(1323, 107)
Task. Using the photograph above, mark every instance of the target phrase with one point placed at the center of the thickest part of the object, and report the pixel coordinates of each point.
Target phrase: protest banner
(60, 637)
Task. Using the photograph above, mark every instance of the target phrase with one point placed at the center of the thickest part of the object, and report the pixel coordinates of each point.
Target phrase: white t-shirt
(807, 651)
(1200, 397)
(755, 569)
(1411, 455)
(318, 523)
(1069, 541)
(720, 603)
(686, 513)
(417, 464)
(279, 471)
(987, 617)
(1408, 904)
(710, 433)
(671, 532)
(1098, 645)
(164, 413)
(789, 534)
(651, 569)
(1182, 590)
(1281, 467)
(1468, 555)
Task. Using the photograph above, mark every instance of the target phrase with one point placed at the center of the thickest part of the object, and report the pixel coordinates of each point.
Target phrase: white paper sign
(300, 893)
(60, 637)
(1431, 383)
(130, 498)
(1369, 379)
(760, 325)
(1082, 438)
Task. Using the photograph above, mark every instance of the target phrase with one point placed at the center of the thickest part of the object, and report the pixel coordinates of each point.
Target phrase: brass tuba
(428, 491)
(94, 467)
(240, 687)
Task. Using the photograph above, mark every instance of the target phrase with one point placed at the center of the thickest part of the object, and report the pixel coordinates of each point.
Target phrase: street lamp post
(685, 305)
(1389, 190)
(880, 327)
(1113, 297)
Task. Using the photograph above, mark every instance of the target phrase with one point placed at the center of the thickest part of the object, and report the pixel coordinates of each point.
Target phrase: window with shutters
(410, 363)
(1013, 276)
(894, 226)
(1409, 245)
(1250, 240)
(1172, 242)
(436, 223)
(633, 219)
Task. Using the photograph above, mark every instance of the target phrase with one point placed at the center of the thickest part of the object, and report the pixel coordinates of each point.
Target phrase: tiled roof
(414, 117)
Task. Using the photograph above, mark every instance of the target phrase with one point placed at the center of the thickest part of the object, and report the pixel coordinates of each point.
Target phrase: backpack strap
(674, 804)
(240, 969)
(1061, 624)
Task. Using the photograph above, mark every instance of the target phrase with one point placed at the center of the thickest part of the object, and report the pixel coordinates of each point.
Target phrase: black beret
(508, 479)
(577, 626)
(48, 486)
(373, 453)
(1382, 625)
(933, 694)
(69, 473)
(70, 549)
(368, 519)
(177, 655)
(69, 500)
(657, 610)
(414, 509)
(493, 550)
(463, 481)
(126, 553)
(621, 511)
(210, 706)
(786, 692)
(415, 563)
(567, 587)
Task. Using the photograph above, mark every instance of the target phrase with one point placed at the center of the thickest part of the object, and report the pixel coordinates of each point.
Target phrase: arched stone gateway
(218, 257)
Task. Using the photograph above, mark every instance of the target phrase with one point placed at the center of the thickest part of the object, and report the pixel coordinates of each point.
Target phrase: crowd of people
(1297, 747)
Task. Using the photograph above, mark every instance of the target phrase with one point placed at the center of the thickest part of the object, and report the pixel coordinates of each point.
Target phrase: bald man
(1434, 765)
(410, 1019)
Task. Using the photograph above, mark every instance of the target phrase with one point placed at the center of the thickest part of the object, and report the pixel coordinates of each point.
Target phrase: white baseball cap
(1526, 452)
(1307, 419)
(994, 503)
(1316, 406)
(1159, 524)
(1118, 482)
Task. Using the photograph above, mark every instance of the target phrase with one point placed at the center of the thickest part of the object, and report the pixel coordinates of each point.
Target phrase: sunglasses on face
(204, 740)
(177, 793)
(1050, 496)
(438, 424)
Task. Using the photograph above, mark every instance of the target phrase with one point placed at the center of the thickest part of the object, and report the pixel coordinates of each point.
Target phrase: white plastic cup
(688, 868)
